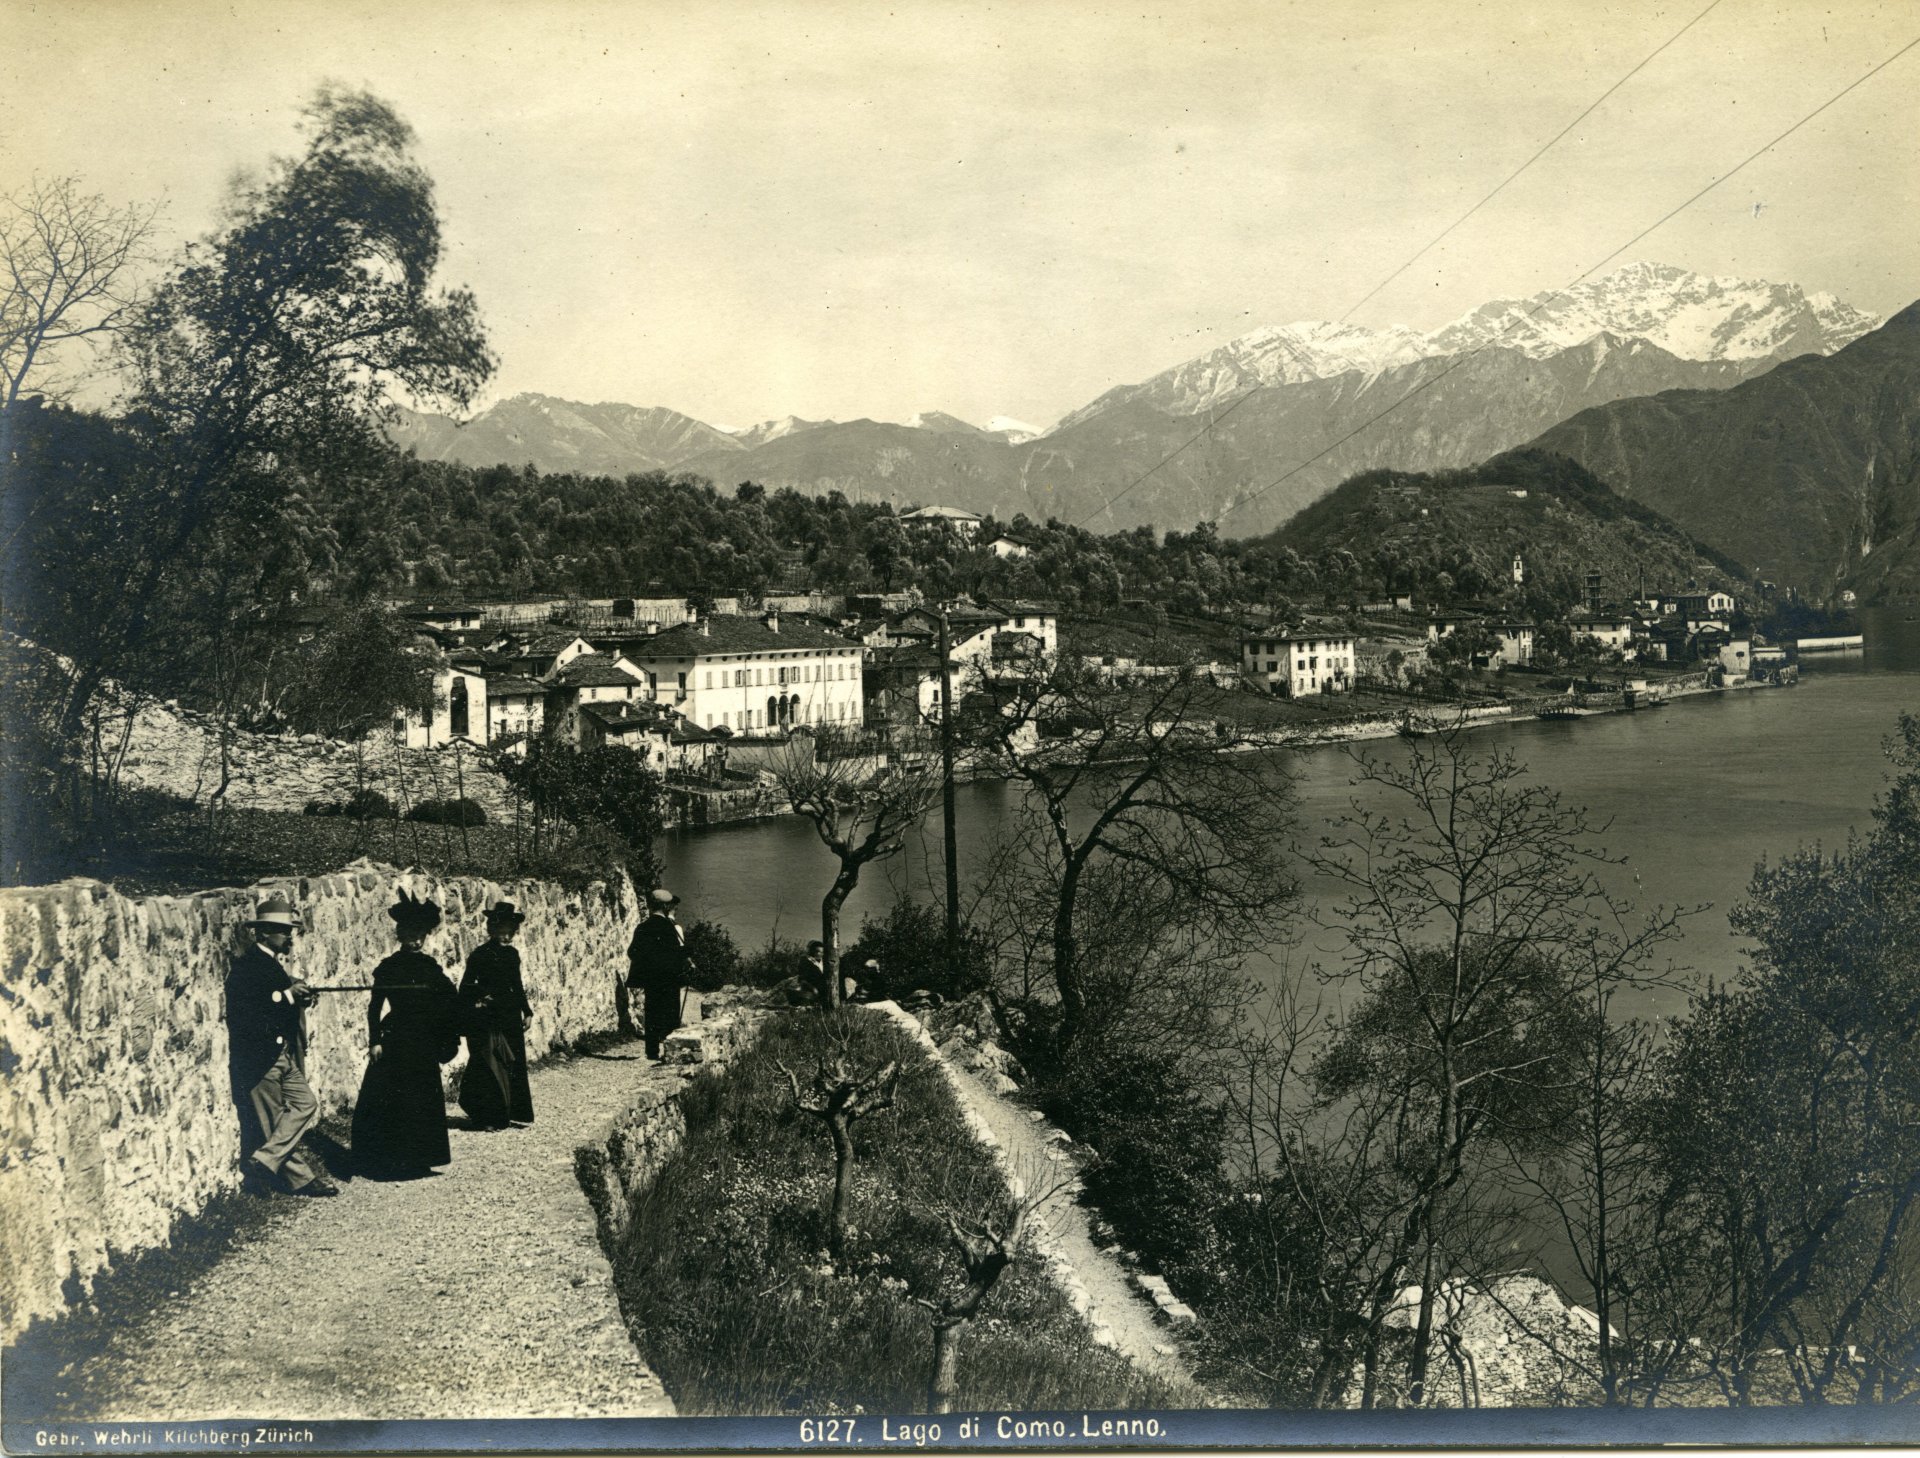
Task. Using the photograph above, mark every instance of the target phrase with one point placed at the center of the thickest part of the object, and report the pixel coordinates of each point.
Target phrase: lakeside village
(704, 689)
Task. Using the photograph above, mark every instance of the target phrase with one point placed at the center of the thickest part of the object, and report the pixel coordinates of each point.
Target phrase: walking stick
(284, 995)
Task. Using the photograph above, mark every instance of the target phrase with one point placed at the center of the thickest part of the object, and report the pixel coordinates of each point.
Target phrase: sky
(743, 211)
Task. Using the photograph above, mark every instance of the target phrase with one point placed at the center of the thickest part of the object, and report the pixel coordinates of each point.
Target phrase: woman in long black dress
(495, 1013)
(400, 1119)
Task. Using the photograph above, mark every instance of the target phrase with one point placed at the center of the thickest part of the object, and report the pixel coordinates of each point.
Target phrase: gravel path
(1128, 1316)
(480, 1292)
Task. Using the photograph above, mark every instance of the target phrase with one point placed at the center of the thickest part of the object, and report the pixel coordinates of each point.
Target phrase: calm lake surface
(1695, 793)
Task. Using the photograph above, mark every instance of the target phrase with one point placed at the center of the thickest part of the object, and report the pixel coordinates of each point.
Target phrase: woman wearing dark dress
(400, 1119)
(495, 1012)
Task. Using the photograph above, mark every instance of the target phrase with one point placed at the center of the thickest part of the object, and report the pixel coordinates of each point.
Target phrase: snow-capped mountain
(1279, 354)
(1014, 432)
(757, 435)
(1688, 315)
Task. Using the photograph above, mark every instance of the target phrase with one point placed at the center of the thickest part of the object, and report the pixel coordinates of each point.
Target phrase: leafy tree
(1145, 861)
(605, 789)
(1481, 950)
(268, 360)
(1788, 1127)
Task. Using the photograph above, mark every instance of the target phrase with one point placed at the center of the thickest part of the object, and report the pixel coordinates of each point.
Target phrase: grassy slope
(726, 1284)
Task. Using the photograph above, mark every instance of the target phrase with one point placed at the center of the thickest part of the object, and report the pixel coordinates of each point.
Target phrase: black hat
(412, 915)
(505, 911)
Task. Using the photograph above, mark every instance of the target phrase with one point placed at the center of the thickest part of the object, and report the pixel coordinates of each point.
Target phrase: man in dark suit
(267, 1058)
(658, 965)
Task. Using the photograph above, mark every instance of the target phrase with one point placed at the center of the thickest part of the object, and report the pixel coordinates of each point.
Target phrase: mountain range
(1255, 429)
(1810, 473)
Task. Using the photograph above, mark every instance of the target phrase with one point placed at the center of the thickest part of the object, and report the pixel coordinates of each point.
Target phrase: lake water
(1695, 793)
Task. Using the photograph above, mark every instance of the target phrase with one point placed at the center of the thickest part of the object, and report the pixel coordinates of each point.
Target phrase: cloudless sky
(744, 210)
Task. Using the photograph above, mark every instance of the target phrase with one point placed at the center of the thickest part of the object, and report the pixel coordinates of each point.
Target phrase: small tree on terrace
(861, 809)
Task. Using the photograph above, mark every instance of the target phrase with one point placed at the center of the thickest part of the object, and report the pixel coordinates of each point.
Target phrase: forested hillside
(1455, 534)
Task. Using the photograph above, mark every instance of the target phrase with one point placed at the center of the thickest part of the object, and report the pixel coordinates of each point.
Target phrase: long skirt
(400, 1118)
(494, 1090)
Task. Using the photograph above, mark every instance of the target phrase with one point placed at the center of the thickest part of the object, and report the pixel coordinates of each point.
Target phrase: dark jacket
(258, 1028)
(493, 999)
(657, 955)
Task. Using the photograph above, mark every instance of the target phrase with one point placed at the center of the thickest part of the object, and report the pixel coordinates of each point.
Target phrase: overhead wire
(1551, 294)
(1250, 392)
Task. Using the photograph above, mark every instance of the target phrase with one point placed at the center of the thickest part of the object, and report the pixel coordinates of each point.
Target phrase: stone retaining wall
(177, 752)
(116, 1115)
(642, 1139)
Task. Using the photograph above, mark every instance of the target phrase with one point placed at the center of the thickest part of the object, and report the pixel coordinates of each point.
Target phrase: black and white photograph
(778, 725)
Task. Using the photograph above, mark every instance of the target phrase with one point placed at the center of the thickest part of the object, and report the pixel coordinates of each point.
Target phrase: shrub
(910, 944)
(774, 963)
(322, 807)
(369, 805)
(448, 812)
(1161, 1178)
(716, 960)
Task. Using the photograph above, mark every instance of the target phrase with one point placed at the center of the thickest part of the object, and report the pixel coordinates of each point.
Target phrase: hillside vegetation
(1455, 534)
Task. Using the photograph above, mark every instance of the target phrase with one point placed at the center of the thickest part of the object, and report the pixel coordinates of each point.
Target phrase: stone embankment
(176, 751)
(116, 1107)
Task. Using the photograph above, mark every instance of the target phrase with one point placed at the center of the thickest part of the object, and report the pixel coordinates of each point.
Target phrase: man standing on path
(657, 964)
(267, 1058)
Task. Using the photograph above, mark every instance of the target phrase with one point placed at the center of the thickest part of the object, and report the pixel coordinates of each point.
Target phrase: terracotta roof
(735, 633)
(622, 716)
(594, 670)
(514, 686)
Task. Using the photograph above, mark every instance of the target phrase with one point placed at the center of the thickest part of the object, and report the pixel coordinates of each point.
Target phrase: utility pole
(946, 797)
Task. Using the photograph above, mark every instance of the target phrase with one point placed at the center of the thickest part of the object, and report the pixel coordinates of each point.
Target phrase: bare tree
(1482, 945)
(1148, 857)
(71, 261)
(861, 807)
(841, 1096)
(986, 1248)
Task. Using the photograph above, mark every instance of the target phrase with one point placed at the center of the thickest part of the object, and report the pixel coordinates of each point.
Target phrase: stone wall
(116, 1116)
(641, 1140)
(177, 751)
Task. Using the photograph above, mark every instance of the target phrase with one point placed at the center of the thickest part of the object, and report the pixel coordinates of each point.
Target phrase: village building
(586, 680)
(1011, 546)
(748, 674)
(1516, 643)
(1512, 642)
(540, 655)
(1608, 630)
(456, 709)
(1389, 660)
(1295, 664)
(901, 687)
(661, 738)
(516, 707)
(965, 524)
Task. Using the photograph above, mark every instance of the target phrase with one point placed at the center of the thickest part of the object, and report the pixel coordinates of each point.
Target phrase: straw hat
(276, 912)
